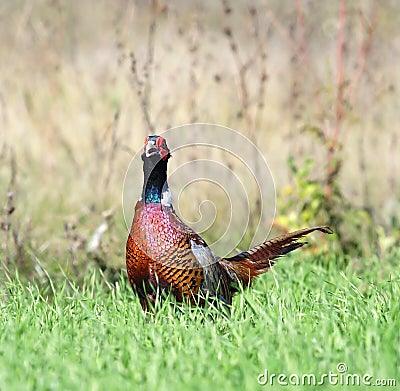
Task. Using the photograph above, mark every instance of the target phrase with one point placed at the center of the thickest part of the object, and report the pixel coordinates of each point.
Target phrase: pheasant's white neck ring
(166, 199)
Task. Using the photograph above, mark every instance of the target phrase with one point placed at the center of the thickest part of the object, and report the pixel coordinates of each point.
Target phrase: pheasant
(164, 254)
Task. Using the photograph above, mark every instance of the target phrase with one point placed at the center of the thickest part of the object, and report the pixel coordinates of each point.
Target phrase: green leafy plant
(307, 202)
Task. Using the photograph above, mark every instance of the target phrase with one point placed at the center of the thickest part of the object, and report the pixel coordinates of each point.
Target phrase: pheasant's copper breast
(162, 250)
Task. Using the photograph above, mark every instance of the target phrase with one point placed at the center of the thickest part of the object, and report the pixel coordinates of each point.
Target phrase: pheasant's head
(155, 148)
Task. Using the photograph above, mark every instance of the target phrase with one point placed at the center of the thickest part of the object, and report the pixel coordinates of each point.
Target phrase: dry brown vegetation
(82, 83)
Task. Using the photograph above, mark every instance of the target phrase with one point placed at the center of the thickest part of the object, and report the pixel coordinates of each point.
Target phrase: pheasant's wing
(248, 264)
(187, 264)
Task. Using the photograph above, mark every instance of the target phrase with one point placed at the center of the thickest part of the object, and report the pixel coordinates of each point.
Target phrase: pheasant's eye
(159, 142)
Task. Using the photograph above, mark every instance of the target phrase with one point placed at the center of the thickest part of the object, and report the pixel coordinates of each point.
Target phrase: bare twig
(332, 166)
(340, 70)
(9, 207)
(363, 51)
(139, 91)
(193, 79)
(112, 151)
(363, 169)
(67, 147)
(242, 69)
(283, 31)
(303, 42)
(76, 242)
(263, 76)
(148, 65)
(3, 106)
(143, 85)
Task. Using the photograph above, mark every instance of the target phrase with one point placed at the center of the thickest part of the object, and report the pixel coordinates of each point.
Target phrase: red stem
(340, 70)
(332, 148)
(363, 51)
(303, 41)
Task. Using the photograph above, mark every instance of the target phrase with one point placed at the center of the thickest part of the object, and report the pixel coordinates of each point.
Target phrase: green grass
(304, 317)
(64, 152)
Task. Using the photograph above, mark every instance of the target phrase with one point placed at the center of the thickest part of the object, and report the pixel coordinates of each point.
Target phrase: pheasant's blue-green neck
(152, 195)
(155, 180)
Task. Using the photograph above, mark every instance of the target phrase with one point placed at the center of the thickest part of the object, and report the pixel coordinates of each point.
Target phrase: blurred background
(315, 85)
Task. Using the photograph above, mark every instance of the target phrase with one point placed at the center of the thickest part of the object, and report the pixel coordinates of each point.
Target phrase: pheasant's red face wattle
(155, 146)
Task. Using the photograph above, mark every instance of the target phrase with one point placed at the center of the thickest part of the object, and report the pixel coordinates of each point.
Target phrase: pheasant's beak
(151, 149)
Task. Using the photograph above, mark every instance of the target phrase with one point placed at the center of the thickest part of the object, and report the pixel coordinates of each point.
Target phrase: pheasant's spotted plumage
(162, 253)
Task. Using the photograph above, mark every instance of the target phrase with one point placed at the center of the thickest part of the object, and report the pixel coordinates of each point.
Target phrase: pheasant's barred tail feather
(248, 264)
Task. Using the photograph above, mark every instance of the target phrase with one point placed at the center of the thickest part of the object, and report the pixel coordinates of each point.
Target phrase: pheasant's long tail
(243, 267)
